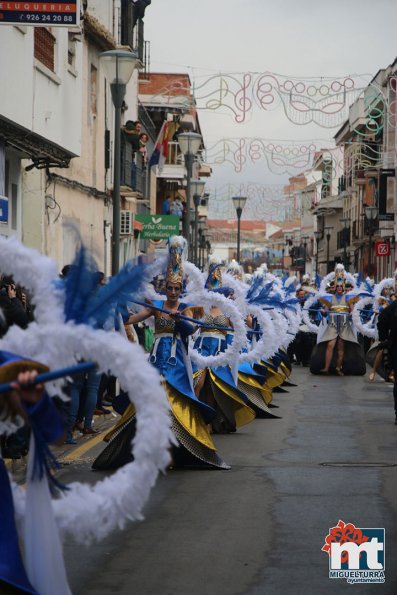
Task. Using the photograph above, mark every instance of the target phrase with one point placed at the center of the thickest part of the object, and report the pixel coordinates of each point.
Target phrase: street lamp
(119, 66)
(239, 202)
(371, 214)
(317, 235)
(328, 229)
(197, 188)
(345, 222)
(189, 144)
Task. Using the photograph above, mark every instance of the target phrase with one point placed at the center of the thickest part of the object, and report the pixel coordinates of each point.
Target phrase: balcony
(174, 166)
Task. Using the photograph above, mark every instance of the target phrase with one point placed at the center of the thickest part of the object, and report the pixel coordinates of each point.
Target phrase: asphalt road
(258, 529)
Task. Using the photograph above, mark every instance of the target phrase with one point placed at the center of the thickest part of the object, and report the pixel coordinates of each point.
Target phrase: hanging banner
(61, 13)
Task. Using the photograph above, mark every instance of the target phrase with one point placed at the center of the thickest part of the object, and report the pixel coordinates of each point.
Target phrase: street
(259, 528)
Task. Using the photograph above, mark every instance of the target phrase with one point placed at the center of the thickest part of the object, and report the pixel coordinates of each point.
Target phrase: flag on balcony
(160, 152)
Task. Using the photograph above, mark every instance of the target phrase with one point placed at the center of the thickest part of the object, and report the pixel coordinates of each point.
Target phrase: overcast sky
(298, 38)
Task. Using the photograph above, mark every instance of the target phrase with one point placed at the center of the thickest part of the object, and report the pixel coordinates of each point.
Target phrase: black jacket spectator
(12, 308)
(387, 325)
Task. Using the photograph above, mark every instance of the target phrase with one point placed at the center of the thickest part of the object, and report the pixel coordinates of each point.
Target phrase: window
(93, 89)
(44, 47)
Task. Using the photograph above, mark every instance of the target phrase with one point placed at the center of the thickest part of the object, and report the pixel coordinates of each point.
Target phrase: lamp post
(119, 66)
(371, 214)
(317, 235)
(304, 238)
(239, 202)
(328, 229)
(189, 144)
(345, 222)
(197, 187)
(201, 249)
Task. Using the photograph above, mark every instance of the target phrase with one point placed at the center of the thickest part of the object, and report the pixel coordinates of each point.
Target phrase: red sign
(382, 248)
(63, 13)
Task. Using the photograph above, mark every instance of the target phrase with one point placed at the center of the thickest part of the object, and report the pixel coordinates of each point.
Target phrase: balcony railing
(126, 171)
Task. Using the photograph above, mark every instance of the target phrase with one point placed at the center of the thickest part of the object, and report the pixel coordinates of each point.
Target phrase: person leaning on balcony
(176, 207)
(132, 131)
(143, 140)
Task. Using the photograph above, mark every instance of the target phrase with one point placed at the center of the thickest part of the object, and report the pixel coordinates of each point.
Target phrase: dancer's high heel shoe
(371, 376)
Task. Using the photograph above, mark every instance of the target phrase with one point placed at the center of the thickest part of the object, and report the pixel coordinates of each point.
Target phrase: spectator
(12, 308)
(387, 328)
(143, 140)
(176, 207)
(83, 392)
(167, 205)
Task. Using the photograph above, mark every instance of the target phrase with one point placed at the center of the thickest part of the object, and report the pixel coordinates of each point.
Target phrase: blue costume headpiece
(177, 247)
(214, 279)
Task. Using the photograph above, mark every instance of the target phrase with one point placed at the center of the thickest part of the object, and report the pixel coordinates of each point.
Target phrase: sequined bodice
(164, 325)
(219, 320)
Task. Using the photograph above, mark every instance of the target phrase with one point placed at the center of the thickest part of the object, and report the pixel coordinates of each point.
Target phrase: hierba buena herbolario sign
(158, 227)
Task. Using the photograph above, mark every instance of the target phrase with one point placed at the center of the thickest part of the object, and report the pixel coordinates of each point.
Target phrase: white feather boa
(306, 315)
(37, 273)
(122, 496)
(365, 329)
(268, 344)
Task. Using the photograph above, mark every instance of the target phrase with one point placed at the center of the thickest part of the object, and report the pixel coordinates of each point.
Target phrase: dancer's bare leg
(200, 382)
(329, 352)
(377, 360)
(340, 352)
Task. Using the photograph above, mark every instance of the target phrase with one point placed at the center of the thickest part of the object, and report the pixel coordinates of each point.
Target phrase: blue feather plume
(79, 285)
(262, 296)
(318, 281)
(290, 289)
(255, 285)
(115, 295)
(360, 279)
(368, 287)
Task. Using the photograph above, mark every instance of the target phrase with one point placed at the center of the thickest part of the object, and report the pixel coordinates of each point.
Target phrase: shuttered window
(44, 47)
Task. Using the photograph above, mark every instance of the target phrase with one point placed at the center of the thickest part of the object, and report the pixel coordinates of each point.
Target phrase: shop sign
(158, 227)
(382, 248)
(60, 13)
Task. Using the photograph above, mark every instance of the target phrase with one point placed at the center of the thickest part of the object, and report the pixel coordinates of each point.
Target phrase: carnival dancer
(216, 385)
(169, 355)
(261, 339)
(304, 341)
(337, 346)
(44, 574)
